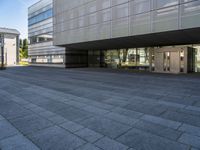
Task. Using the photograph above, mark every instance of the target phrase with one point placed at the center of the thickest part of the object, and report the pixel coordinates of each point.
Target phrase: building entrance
(174, 60)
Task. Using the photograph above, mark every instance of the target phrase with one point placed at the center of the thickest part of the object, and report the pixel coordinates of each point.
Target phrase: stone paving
(98, 109)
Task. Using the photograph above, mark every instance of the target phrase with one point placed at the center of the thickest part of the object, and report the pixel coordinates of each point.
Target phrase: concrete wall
(91, 20)
(10, 50)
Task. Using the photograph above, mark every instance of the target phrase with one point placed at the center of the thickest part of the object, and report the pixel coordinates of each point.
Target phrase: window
(42, 16)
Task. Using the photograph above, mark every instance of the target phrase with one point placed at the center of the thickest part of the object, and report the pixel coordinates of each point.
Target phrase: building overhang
(179, 37)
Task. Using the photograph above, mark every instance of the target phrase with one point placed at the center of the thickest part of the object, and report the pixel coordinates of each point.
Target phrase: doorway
(174, 60)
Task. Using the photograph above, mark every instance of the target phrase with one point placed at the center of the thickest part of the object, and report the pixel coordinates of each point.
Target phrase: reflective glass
(42, 16)
(127, 58)
(197, 59)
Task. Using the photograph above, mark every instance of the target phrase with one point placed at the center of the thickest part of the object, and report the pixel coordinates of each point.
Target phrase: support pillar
(2, 67)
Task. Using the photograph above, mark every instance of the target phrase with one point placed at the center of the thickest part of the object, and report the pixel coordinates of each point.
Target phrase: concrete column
(150, 59)
(185, 60)
(2, 52)
(17, 49)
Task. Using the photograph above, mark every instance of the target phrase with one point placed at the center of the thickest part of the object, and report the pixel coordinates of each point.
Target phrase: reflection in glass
(166, 61)
(182, 61)
(42, 16)
(127, 58)
(197, 59)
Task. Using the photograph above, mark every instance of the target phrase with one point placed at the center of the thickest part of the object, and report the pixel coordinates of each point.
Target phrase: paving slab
(56, 119)
(95, 110)
(74, 114)
(190, 139)
(182, 117)
(147, 108)
(161, 121)
(30, 124)
(193, 130)
(6, 129)
(109, 144)
(47, 114)
(128, 113)
(88, 147)
(11, 110)
(1, 118)
(71, 126)
(157, 129)
(17, 142)
(89, 135)
(105, 126)
(56, 138)
(141, 140)
(121, 118)
(138, 110)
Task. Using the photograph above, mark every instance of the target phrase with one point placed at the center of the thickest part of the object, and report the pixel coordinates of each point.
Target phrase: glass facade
(127, 58)
(132, 58)
(175, 59)
(40, 30)
(40, 17)
(197, 58)
(41, 38)
(48, 59)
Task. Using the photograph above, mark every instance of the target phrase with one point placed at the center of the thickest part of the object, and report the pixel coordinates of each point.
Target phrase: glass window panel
(105, 15)
(92, 18)
(165, 3)
(165, 19)
(141, 6)
(120, 11)
(120, 28)
(117, 2)
(41, 17)
(190, 14)
(140, 24)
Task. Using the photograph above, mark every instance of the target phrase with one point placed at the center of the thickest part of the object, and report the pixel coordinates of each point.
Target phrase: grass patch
(23, 63)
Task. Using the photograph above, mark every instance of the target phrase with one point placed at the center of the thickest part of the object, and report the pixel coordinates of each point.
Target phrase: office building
(40, 31)
(153, 35)
(9, 46)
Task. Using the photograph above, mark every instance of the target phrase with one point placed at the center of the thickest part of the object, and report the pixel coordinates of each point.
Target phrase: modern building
(9, 46)
(40, 31)
(154, 35)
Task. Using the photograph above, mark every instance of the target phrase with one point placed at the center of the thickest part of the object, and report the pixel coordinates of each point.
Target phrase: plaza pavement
(98, 109)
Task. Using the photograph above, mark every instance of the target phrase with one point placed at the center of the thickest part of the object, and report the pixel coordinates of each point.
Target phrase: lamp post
(2, 67)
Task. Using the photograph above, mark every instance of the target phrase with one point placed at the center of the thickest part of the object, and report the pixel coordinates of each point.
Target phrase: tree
(25, 45)
(23, 48)
(20, 43)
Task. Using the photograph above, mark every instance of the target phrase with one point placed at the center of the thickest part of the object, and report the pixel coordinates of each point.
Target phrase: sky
(14, 14)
